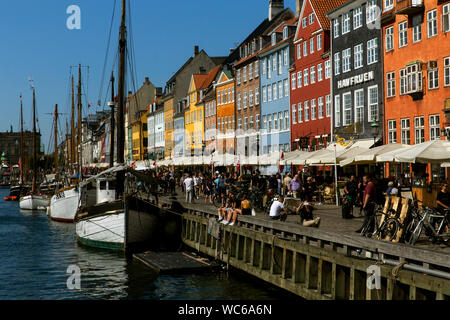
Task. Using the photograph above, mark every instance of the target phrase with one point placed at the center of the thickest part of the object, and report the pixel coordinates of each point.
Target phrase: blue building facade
(275, 90)
(178, 134)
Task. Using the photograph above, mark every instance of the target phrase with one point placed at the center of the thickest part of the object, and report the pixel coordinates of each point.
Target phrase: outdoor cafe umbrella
(436, 151)
(370, 155)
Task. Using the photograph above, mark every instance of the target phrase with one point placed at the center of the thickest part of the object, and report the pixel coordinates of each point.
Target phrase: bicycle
(432, 223)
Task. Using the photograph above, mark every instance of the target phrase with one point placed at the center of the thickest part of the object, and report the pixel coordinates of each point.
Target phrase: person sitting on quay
(305, 210)
(224, 211)
(277, 210)
(240, 206)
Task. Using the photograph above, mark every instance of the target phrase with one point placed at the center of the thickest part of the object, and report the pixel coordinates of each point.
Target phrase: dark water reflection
(36, 252)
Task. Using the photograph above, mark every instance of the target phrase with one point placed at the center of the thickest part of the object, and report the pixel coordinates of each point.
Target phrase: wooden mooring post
(317, 264)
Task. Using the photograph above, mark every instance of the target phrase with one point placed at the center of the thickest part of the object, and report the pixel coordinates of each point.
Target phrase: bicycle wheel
(390, 229)
(415, 234)
(217, 201)
(365, 230)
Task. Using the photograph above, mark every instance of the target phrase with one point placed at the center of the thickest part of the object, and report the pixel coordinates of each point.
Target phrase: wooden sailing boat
(34, 200)
(65, 202)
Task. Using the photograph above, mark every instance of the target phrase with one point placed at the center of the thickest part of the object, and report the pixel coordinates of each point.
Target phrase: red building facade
(310, 98)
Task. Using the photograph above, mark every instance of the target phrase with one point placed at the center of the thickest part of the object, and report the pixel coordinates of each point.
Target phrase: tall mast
(33, 185)
(21, 141)
(80, 166)
(121, 93)
(56, 142)
(72, 134)
(113, 124)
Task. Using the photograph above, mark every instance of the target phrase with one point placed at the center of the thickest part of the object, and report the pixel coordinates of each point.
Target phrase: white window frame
(328, 106)
(294, 114)
(274, 91)
(256, 96)
(403, 34)
(328, 69)
(286, 87)
(447, 71)
(311, 45)
(293, 81)
(337, 63)
(312, 72)
(300, 112)
(435, 127)
(313, 109)
(372, 116)
(432, 23)
(405, 129)
(319, 72)
(357, 18)
(299, 51)
(347, 109)
(419, 129)
(336, 28)
(319, 42)
(337, 110)
(433, 78)
(346, 59)
(250, 97)
(392, 131)
(299, 79)
(244, 74)
(358, 59)
(320, 107)
(371, 11)
(306, 110)
(305, 48)
(446, 18)
(305, 77)
(372, 51)
(390, 84)
(389, 39)
(359, 105)
(345, 23)
(417, 29)
(245, 100)
(264, 94)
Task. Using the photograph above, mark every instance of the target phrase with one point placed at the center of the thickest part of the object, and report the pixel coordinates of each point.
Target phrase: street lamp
(374, 127)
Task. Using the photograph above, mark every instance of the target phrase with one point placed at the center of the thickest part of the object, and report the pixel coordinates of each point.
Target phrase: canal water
(35, 254)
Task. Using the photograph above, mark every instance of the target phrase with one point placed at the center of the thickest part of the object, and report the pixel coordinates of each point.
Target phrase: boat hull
(34, 202)
(64, 205)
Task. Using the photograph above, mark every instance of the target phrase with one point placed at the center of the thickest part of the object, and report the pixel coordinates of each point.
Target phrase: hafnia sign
(360, 78)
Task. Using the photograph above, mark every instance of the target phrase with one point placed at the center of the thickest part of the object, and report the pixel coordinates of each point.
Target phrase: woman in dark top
(208, 189)
(443, 198)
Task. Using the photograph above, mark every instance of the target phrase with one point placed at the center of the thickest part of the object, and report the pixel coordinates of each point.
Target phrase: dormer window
(274, 38)
(285, 32)
(260, 43)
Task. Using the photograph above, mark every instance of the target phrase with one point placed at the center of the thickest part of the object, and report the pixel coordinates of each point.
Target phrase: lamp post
(374, 127)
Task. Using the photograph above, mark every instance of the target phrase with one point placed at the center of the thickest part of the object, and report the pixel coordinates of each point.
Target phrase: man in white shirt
(277, 210)
(189, 186)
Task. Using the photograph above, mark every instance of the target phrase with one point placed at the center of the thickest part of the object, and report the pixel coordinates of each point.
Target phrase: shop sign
(361, 78)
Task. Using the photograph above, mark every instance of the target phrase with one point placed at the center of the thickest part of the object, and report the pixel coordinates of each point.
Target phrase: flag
(238, 167)
(154, 164)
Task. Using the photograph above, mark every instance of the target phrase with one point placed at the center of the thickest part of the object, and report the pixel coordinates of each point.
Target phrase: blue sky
(36, 43)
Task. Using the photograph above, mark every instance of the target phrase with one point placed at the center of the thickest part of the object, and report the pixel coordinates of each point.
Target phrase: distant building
(10, 145)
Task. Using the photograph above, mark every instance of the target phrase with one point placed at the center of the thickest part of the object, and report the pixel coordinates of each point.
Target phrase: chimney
(298, 7)
(275, 7)
(231, 50)
(195, 51)
(147, 80)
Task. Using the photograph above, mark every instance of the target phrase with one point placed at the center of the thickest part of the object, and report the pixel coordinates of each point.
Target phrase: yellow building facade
(168, 126)
(139, 136)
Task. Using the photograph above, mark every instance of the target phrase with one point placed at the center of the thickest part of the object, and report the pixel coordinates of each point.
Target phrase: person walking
(351, 191)
(369, 198)
(286, 181)
(189, 187)
(295, 186)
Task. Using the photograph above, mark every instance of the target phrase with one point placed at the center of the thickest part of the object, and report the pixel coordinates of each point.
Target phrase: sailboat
(107, 218)
(34, 200)
(65, 202)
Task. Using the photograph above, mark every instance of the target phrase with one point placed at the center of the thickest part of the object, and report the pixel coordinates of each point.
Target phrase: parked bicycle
(432, 222)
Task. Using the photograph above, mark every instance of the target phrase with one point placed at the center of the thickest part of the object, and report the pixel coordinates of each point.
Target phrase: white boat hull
(34, 202)
(64, 205)
(105, 231)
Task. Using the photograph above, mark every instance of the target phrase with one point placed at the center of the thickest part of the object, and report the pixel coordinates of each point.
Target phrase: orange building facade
(225, 95)
(416, 67)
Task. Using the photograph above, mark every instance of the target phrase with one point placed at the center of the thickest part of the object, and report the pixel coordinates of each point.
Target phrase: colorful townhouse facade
(357, 71)
(275, 61)
(225, 100)
(310, 97)
(168, 125)
(416, 69)
(209, 100)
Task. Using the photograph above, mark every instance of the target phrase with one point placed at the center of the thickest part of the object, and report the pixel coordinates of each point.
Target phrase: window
(373, 103)
(313, 109)
(390, 84)
(359, 106)
(337, 64)
(358, 56)
(251, 122)
(357, 18)
(336, 28)
(371, 11)
(403, 82)
(389, 39)
(347, 106)
(446, 18)
(388, 4)
(313, 74)
(432, 23)
(392, 131)
(257, 122)
(311, 45)
(419, 129)
(251, 98)
(417, 28)
(311, 18)
(232, 94)
(244, 76)
(280, 89)
(305, 77)
(293, 79)
(229, 95)
(264, 126)
(305, 49)
(269, 69)
(346, 60)
(286, 87)
(320, 108)
(304, 22)
(319, 42)
(245, 100)
(414, 78)
(372, 51)
(245, 124)
(337, 111)
(327, 69)
(405, 127)
(280, 70)
(346, 23)
(250, 71)
(403, 34)
(306, 110)
(300, 112)
(319, 72)
(299, 79)
(280, 121)
(435, 127)
(269, 92)
(285, 32)
(240, 124)
(264, 64)
(294, 114)
(275, 121)
(286, 120)
(286, 56)
(447, 71)
(328, 105)
(299, 51)
(433, 77)
(275, 91)
(256, 68)
(274, 38)
(274, 62)
(256, 96)
(264, 94)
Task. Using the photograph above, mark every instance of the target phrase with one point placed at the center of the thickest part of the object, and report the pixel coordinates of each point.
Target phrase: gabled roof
(321, 9)
(291, 22)
(203, 81)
